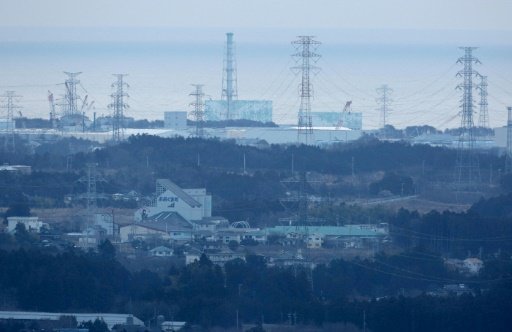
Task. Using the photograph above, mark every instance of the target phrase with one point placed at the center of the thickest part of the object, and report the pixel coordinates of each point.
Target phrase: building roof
(169, 185)
(109, 319)
(348, 230)
(159, 226)
(172, 219)
(161, 248)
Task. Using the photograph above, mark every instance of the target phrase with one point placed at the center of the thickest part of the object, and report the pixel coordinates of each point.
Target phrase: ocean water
(160, 74)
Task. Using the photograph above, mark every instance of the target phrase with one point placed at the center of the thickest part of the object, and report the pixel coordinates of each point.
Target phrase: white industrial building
(175, 120)
(351, 120)
(108, 318)
(7, 124)
(190, 204)
(32, 224)
(106, 221)
(254, 110)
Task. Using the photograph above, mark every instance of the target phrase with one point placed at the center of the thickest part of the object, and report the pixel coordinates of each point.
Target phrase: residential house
(161, 251)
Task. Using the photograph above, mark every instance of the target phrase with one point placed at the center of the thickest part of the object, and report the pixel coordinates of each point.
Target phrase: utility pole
(508, 162)
(483, 116)
(198, 109)
(229, 79)
(245, 171)
(118, 106)
(384, 100)
(306, 57)
(8, 99)
(467, 170)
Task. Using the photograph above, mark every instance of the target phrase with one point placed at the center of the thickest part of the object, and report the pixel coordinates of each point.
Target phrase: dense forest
(204, 294)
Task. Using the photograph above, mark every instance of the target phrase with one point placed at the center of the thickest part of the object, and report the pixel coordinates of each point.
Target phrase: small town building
(139, 231)
(314, 241)
(110, 319)
(32, 224)
(473, 265)
(190, 204)
(224, 256)
(161, 251)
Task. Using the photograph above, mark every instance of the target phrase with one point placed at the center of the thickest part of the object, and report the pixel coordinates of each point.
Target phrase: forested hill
(143, 150)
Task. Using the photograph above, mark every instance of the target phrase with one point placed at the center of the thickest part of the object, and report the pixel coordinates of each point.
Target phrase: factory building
(352, 120)
(175, 120)
(7, 124)
(189, 204)
(255, 110)
(288, 135)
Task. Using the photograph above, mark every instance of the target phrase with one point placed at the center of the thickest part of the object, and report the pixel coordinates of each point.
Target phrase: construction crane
(346, 110)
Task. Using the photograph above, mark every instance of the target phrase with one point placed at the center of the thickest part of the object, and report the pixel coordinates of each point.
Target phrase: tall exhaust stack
(229, 86)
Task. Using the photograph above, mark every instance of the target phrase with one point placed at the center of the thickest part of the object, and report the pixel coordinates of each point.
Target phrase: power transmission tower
(91, 187)
(118, 106)
(508, 160)
(384, 100)
(303, 205)
(229, 79)
(9, 105)
(306, 57)
(198, 109)
(71, 96)
(467, 169)
(483, 118)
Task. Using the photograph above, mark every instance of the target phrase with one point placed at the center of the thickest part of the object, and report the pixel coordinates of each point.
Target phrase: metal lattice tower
(91, 189)
(10, 106)
(467, 170)
(483, 116)
(508, 160)
(71, 97)
(303, 204)
(229, 77)
(118, 106)
(306, 57)
(384, 100)
(198, 108)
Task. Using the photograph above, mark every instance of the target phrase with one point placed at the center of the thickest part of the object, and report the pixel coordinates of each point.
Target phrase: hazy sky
(36, 19)
(409, 44)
